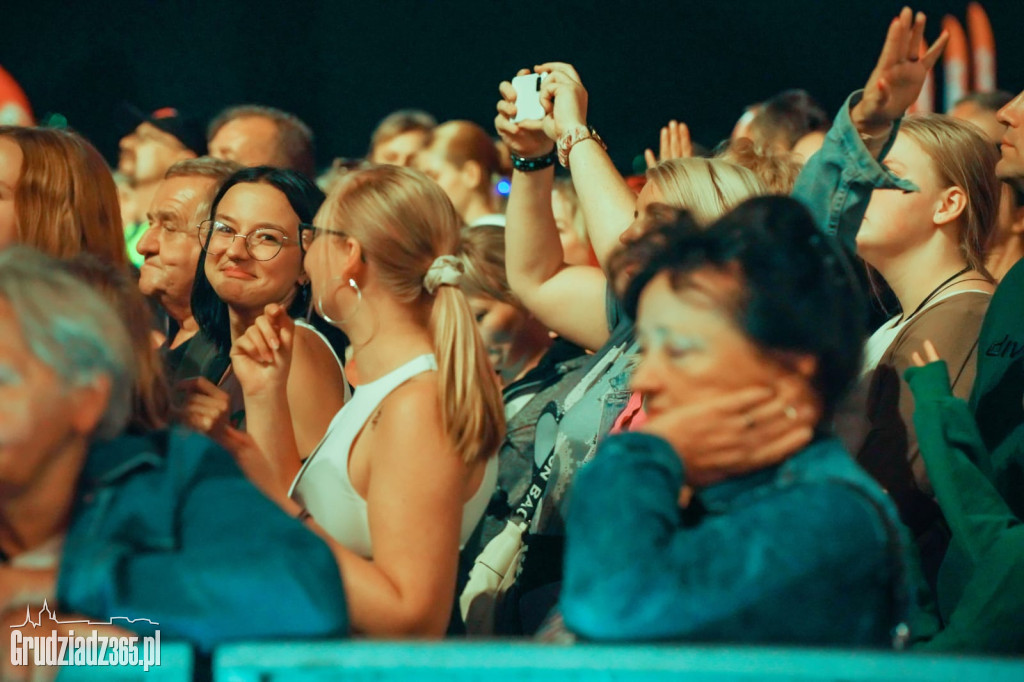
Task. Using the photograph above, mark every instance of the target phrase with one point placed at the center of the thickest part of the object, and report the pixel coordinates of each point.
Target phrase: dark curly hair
(799, 292)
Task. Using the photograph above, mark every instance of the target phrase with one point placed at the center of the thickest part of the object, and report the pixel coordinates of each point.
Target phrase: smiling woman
(251, 259)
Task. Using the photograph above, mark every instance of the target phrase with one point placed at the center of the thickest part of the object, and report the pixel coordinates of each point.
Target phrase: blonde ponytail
(406, 224)
(471, 402)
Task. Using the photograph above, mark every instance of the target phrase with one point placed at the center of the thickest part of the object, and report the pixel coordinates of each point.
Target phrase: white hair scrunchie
(445, 270)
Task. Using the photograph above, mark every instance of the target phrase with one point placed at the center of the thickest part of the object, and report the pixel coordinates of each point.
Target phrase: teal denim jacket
(807, 552)
(165, 527)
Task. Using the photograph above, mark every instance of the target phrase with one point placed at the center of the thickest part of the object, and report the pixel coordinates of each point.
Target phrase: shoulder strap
(546, 434)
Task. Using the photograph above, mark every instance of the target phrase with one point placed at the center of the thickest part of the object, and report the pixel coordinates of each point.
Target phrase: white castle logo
(115, 620)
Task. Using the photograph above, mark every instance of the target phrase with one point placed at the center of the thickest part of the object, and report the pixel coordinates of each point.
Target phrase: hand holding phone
(528, 106)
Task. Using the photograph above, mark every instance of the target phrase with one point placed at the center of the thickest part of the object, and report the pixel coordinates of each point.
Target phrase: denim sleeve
(239, 567)
(836, 183)
(634, 571)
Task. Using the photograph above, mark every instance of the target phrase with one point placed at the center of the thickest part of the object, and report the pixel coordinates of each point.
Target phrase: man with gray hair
(162, 527)
(170, 245)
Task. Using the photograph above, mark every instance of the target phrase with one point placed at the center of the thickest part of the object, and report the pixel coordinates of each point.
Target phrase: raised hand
(674, 144)
(525, 138)
(899, 74)
(930, 355)
(564, 98)
(261, 357)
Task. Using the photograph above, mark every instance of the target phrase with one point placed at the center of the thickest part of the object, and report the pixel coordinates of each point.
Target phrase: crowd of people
(767, 394)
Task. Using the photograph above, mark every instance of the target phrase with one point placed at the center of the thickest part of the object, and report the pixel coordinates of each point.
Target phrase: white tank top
(323, 487)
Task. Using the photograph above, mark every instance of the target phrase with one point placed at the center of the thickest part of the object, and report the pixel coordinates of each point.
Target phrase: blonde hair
(66, 201)
(963, 158)
(403, 222)
(707, 188)
(483, 261)
(777, 171)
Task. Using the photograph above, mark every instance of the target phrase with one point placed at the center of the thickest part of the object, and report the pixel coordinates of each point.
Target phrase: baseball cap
(189, 131)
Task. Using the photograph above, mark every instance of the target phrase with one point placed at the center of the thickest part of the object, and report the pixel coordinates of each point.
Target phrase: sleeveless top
(229, 382)
(323, 486)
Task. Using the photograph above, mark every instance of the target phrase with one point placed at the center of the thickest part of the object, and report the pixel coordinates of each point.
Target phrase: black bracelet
(525, 165)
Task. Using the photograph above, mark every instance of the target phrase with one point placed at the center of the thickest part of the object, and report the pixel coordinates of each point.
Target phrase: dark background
(343, 65)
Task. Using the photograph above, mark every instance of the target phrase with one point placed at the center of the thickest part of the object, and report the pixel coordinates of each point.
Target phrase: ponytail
(471, 404)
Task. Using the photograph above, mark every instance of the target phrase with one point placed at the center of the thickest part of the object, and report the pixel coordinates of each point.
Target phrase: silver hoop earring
(337, 323)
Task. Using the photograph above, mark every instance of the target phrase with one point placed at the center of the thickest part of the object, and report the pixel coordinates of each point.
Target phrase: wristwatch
(573, 135)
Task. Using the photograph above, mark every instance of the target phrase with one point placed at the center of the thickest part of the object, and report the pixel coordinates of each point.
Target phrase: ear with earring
(359, 299)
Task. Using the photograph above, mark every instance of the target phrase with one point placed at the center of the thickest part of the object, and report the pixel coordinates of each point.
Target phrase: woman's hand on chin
(738, 432)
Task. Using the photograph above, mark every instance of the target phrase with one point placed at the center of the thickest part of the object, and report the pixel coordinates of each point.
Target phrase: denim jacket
(165, 527)
(836, 183)
(807, 552)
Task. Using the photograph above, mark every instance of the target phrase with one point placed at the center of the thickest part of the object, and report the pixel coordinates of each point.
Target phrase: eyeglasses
(309, 233)
(262, 244)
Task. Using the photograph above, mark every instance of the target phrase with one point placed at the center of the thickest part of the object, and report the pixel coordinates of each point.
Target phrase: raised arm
(837, 182)
(606, 199)
(292, 386)
(568, 299)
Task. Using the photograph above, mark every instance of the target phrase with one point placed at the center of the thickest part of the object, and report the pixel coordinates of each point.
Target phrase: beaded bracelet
(528, 165)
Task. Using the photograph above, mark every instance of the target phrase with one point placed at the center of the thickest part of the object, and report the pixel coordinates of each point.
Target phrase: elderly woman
(663, 543)
(161, 526)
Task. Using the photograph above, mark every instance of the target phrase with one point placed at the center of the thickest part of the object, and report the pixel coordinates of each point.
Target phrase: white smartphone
(528, 107)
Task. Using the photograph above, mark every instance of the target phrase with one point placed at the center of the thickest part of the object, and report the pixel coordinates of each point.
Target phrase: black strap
(544, 444)
(935, 292)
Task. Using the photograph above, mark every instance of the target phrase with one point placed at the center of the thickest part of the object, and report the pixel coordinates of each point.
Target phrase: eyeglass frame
(315, 230)
(285, 239)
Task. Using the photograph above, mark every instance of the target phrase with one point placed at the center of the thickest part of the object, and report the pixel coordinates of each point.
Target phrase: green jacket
(975, 460)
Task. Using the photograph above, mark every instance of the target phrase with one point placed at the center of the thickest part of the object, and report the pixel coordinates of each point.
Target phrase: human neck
(387, 338)
(41, 511)
(241, 320)
(913, 276)
(1002, 257)
(527, 352)
(187, 328)
(477, 207)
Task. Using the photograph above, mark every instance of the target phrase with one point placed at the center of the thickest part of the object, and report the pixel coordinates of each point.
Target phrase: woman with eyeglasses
(407, 467)
(252, 258)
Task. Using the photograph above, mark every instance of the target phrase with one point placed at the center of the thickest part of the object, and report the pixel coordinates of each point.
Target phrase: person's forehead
(251, 126)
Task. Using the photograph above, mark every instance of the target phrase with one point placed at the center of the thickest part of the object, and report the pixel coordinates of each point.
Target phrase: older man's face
(1011, 148)
(40, 418)
(171, 243)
